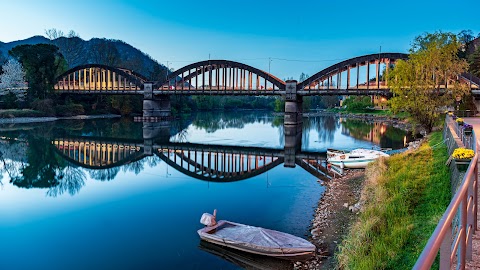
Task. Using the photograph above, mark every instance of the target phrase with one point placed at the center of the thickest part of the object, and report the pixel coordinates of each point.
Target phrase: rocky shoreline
(336, 210)
(24, 120)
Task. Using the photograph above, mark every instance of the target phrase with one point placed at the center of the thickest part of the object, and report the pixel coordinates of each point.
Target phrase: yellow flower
(463, 153)
(459, 120)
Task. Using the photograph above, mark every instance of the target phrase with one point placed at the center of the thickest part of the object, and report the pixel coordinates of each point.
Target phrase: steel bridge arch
(344, 65)
(211, 65)
(243, 175)
(131, 76)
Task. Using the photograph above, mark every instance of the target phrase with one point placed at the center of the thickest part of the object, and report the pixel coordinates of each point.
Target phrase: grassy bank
(404, 197)
(13, 113)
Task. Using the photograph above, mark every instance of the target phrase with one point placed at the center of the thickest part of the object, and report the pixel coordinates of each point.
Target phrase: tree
(70, 45)
(358, 103)
(105, 52)
(474, 61)
(465, 36)
(3, 59)
(12, 82)
(303, 77)
(418, 83)
(42, 64)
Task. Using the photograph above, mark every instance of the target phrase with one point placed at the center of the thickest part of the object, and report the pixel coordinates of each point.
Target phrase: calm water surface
(113, 194)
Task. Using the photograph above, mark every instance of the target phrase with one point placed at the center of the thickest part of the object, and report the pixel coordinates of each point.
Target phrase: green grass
(20, 113)
(404, 198)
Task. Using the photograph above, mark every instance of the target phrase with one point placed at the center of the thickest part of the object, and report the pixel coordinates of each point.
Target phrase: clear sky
(298, 36)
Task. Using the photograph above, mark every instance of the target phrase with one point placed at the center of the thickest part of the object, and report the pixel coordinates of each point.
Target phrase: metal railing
(453, 235)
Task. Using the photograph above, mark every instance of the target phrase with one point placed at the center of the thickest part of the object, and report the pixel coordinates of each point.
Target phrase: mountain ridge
(110, 52)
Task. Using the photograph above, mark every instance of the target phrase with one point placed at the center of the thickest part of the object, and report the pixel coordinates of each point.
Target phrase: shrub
(69, 110)
(44, 105)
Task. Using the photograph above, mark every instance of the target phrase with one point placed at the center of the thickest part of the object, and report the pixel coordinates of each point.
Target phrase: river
(114, 194)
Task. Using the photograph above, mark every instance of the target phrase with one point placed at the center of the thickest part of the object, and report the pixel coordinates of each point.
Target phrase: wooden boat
(245, 260)
(355, 159)
(255, 240)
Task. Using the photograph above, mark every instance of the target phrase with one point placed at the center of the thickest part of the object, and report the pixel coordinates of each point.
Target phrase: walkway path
(474, 264)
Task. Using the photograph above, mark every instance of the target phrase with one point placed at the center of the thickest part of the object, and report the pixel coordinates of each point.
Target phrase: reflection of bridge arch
(95, 78)
(215, 166)
(98, 154)
(219, 77)
(204, 162)
(324, 79)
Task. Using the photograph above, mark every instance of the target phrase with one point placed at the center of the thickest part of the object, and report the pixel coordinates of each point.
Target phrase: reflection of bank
(244, 259)
(377, 133)
(363, 131)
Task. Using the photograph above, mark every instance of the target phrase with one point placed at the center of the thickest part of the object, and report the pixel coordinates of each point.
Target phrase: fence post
(446, 249)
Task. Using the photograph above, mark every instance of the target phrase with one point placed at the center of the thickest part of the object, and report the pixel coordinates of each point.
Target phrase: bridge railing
(452, 237)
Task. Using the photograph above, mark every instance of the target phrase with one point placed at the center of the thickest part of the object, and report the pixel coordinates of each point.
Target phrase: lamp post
(457, 100)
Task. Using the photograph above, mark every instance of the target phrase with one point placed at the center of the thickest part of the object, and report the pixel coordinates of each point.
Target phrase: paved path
(475, 262)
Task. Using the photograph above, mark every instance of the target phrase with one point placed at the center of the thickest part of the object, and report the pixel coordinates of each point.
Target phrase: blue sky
(299, 36)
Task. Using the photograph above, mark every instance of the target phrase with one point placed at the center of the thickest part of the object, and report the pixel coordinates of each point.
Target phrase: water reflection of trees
(71, 179)
(213, 121)
(376, 132)
(356, 128)
(325, 126)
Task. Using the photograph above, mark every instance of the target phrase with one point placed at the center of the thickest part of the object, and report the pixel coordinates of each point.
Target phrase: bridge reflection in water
(207, 162)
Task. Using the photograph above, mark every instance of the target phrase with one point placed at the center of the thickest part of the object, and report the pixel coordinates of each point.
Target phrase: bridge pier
(293, 104)
(160, 131)
(155, 107)
(293, 143)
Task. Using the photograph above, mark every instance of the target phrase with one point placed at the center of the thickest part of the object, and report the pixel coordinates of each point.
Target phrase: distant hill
(97, 51)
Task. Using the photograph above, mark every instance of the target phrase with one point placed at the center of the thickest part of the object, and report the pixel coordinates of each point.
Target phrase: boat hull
(351, 164)
(302, 250)
(355, 159)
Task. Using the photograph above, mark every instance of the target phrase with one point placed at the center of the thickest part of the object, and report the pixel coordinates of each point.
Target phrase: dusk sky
(298, 36)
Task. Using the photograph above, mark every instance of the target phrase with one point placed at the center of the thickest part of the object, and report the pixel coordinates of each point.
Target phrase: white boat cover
(256, 239)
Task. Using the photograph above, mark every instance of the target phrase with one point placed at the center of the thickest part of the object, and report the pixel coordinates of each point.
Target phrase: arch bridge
(363, 75)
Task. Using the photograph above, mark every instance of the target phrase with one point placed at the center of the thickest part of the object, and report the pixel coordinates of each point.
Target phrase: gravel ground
(333, 216)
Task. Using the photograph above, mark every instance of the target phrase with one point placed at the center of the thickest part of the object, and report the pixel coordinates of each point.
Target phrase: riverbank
(24, 120)
(335, 212)
(401, 202)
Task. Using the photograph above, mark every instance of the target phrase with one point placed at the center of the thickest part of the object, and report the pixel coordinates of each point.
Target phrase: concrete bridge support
(293, 143)
(293, 104)
(158, 130)
(155, 107)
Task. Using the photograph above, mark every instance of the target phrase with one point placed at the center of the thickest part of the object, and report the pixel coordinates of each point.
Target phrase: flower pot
(462, 164)
(467, 131)
(460, 161)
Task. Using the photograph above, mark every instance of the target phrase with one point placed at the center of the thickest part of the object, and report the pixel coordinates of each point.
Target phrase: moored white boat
(255, 239)
(355, 159)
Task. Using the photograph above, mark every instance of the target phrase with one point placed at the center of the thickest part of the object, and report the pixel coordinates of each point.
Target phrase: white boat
(355, 159)
(255, 240)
